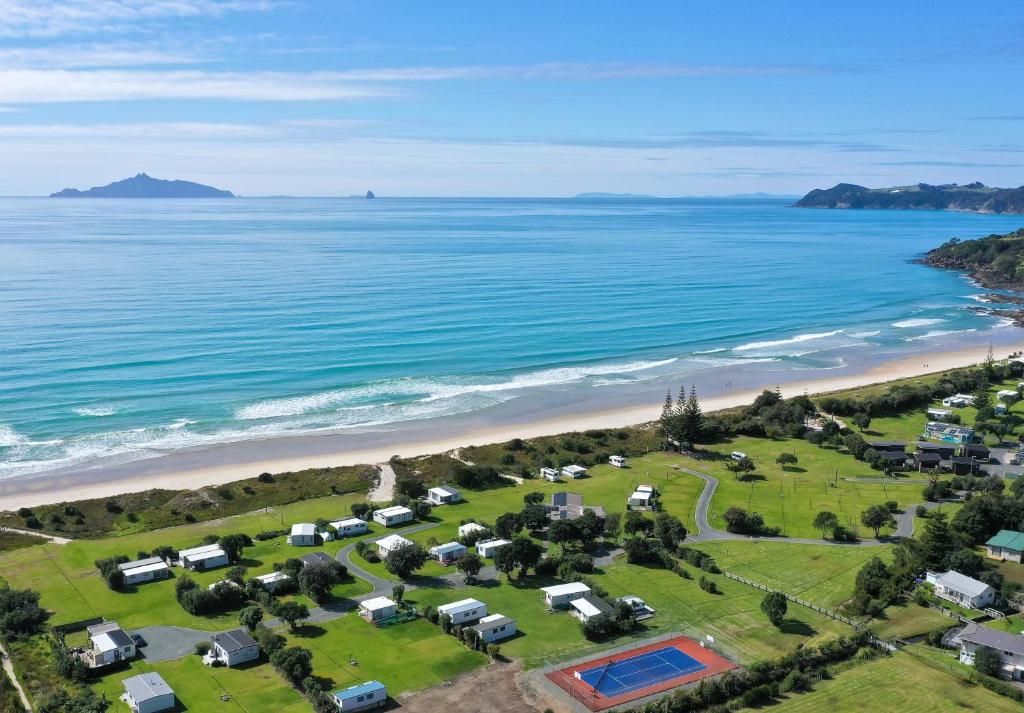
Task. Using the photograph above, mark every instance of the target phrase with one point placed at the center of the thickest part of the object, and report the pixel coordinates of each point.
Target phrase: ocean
(130, 329)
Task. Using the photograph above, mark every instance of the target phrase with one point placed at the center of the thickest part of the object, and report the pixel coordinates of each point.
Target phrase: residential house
(273, 581)
(1010, 648)
(471, 527)
(305, 534)
(1006, 545)
(316, 558)
(617, 461)
(448, 552)
(372, 694)
(144, 570)
(108, 643)
(588, 606)
(961, 589)
(389, 517)
(487, 548)
(574, 471)
(234, 647)
(203, 558)
(387, 545)
(377, 608)
(549, 474)
(443, 495)
(147, 693)
(350, 527)
(559, 595)
(495, 627)
(464, 610)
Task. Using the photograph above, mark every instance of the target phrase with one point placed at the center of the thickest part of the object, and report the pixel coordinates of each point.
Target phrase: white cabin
(464, 610)
(549, 474)
(574, 471)
(443, 495)
(488, 548)
(389, 517)
(350, 527)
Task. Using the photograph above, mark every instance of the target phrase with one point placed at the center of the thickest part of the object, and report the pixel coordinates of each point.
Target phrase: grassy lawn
(16, 540)
(901, 682)
(822, 574)
(909, 619)
(406, 656)
(791, 498)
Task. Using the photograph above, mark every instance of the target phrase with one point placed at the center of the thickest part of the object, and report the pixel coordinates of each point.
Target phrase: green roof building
(1006, 545)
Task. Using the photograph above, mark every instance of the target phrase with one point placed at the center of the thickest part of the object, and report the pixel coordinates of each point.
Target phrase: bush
(708, 585)
(203, 647)
(265, 478)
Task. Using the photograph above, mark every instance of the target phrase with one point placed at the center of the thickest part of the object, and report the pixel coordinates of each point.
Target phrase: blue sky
(514, 99)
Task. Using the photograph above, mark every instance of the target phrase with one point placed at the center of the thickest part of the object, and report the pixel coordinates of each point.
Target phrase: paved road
(707, 533)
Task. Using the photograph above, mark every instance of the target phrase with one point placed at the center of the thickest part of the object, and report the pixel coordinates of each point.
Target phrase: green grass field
(901, 683)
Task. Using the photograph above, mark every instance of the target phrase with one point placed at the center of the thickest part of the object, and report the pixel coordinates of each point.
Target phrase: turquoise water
(130, 328)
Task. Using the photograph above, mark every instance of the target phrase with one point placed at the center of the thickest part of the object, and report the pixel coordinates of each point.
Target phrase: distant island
(613, 196)
(973, 198)
(143, 186)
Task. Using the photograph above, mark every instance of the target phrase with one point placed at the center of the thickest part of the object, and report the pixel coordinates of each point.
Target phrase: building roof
(102, 628)
(943, 447)
(146, 686)
(392, 511)
(204, 552)
(304, 529)
(316, 558)
(927, 457)
(136, 564)
(976, 449)
(591, 606)
(893, 455)
(347, 522)
(272, 577)
(1008, 539)
(887, 445)
(644, 489)
(154, 567)
(496, 542)
(568, 588)
(963, 460)
(359, 690)
(104, 642)
(471, 527)
(392, 542)
(565, 499)
(460, 606)
(574, 469)
(984, 636)
(234, 640)
(377, 603)
(443, 490)
(446, 548)
(494, 621)
(962, 583)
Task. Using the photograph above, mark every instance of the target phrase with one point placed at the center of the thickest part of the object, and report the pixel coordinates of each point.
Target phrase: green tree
(250, 617)
(233, 546)
(505, 561)
(291, 613)
(294, 663)
(534, 498)
(670, 530)
(862, 420)
(315, 581)
(774, 605)
(692, 418)
(398, 593)
(668, 423)
(20, 613)
(534, 517)
(470, 565)
(741, 468)
(588, 527)
(508, 524)
(637, 524)
(562, 532)
(786, 459)
(987, 661)
(525, 552)
(406, 560)
(876, 517)
(613, 521)
(826, 522)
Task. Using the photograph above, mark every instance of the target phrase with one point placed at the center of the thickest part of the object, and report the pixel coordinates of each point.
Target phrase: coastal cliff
(143, 186)
(973, 198)
(995, 262)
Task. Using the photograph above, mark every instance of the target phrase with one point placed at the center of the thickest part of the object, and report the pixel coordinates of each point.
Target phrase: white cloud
(29, 86)
(119, 54)
(309, 129)
(53, 18)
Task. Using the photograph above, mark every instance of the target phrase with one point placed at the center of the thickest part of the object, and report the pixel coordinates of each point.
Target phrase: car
(139, 641)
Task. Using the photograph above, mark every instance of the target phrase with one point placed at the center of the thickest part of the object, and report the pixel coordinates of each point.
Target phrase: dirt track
(491, 689)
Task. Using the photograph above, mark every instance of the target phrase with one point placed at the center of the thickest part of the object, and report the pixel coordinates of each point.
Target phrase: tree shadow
(795, 626)
(752, 478)
(310, 631)
(794, 469)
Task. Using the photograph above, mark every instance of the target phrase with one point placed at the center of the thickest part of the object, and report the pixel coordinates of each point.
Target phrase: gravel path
(384, 490)
(41, 535)
(9, 668)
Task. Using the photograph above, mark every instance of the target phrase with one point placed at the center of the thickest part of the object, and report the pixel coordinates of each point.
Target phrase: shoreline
(45, 490)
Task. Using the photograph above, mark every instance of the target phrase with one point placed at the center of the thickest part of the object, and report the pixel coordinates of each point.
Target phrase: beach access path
(384, 490)
(9, 669)
(41, 535)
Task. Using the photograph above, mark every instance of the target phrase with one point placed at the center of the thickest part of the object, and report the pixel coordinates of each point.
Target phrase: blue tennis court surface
(630, 674)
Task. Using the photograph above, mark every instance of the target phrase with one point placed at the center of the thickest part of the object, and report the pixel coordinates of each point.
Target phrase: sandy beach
(41, 490)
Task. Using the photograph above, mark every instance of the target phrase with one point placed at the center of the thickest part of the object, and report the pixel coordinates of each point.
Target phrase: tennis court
(618, 677)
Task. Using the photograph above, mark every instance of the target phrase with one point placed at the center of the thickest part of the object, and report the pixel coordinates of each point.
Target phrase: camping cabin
(144, 570)
(350, 527)
(463, 611)
(372, 694)
(387, 545)
(943, 450)
(108, 643)
(574, 471)
(961, 589)
(203, 558)
(443, 495)
(389, 517)
(471, 527)
(641, 499)
(495, 627)
(587, 607)
(488, 548)
(233, 648)
(958, 400)
(147, 693)
(617, 461)
(304, 534)
(559, 595)
(1006, 545)
(926, 460)
(377, 608)
(273, 581)
(448, 552)
(938, 414)
(549, 474)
